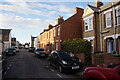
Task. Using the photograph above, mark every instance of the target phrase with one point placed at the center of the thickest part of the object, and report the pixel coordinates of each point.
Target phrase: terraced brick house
(5, 39)
(110, 26)
(101, 26)
(51, 38)
(91, 27)
(46, 39)
(68, 29)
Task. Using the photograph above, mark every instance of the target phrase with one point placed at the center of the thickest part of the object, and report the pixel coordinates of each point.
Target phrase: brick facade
(70, 28)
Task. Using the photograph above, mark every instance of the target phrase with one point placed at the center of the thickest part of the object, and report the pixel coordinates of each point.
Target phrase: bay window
(88, 24)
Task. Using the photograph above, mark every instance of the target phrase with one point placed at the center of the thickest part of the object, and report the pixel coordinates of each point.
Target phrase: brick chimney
(50, 26)
(59, 20)
(98, 3)
(79, 11)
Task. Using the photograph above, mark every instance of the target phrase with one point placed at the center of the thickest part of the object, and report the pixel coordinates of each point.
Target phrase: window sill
(118, 24)
(108, 27)
(88, 30)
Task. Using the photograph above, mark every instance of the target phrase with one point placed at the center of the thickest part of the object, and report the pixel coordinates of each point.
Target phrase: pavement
(26, 65)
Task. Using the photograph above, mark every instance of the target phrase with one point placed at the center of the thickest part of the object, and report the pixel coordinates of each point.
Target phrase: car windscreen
(10, 49)
(40, 49)
(31, 47)
(64, 55)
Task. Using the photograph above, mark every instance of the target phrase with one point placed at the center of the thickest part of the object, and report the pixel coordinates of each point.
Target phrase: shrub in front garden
(78, 46)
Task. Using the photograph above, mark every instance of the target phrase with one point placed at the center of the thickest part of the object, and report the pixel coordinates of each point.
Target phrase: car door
(56, 59)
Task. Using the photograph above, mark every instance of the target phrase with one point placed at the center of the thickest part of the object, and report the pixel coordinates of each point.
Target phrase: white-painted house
(36, 43)
(5, 39)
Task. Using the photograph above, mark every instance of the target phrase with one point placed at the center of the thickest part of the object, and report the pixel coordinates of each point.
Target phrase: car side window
(52, 53)
(55, 54)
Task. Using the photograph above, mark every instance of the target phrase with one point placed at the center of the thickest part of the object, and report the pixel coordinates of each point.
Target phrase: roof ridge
(93, 6)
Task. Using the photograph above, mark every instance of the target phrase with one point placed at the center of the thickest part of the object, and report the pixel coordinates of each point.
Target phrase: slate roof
(94, 8)
(5, 31)
(108, 5)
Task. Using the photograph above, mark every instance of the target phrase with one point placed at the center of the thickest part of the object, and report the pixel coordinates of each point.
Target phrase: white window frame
(106, 19)
(50, 34)
(85, 23)
(54, 32)
(88, 23)
(91, 24)
(58, 30)
(0, 37)
(118, 15)
(56, 45)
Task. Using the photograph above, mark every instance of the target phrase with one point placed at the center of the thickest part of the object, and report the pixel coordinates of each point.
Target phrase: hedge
(78, 46)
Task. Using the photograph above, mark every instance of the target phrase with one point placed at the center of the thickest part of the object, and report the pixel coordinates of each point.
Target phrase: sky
(31, 17)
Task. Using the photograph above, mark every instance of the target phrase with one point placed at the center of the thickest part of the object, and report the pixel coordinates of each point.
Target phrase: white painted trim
(7, 42)
(117, 35)
(111, 36)
(117, 7)
(106, 20)
(56, 40)
(60, 40)
(51, 41)
(85, 11)
(89, 38)
(90, 16)
(107, 11)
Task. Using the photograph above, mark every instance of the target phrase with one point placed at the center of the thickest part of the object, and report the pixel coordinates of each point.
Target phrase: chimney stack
(59, 20)
(98, 3)
(79, 11)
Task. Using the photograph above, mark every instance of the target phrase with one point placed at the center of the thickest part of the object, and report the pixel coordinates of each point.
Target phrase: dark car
(10, 51)
(41, 52)
(65, 62)
(31, 49)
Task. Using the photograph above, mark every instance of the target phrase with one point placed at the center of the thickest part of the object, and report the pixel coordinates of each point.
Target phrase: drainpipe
(114, 27)
(100, 30)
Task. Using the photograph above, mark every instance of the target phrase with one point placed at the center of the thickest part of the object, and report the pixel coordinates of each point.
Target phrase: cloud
(60, 8)
(24, 8)
(17, 21)
(60, 0)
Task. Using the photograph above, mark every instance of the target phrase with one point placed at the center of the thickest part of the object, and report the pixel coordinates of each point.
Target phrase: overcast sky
(30, 17)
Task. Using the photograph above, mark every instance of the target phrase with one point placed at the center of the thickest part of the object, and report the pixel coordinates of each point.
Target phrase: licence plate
(75, 67)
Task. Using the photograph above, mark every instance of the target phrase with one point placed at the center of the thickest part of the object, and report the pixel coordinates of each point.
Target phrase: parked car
(41, 52)
(65, 62)
(100, 73)
(31, 49)
(10, 51)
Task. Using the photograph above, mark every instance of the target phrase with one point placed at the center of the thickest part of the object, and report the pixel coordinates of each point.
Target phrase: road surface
(27, 65)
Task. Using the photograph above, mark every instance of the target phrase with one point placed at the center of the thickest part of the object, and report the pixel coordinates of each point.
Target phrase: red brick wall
(81, 56)
(104, 59)
(72, 27)
(5, 37)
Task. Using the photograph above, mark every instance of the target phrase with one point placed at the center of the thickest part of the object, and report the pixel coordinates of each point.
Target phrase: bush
(78, 46)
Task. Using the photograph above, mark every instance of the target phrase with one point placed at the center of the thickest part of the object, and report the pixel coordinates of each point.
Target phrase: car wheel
(60, 69)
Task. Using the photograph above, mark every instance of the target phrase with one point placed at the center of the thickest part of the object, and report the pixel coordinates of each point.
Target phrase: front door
(111, 46)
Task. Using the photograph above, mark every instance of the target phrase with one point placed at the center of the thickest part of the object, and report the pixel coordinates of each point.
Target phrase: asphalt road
(27, 65)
